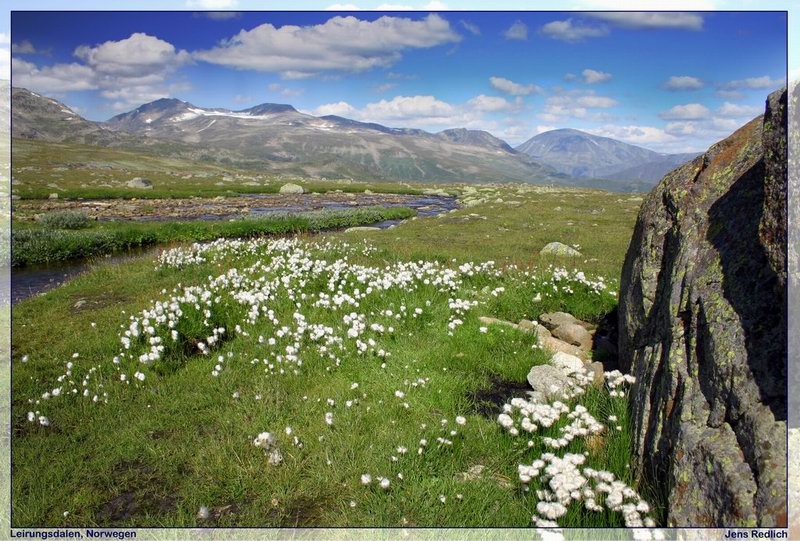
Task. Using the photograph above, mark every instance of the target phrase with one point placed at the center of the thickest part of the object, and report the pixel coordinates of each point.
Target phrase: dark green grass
(34, 244)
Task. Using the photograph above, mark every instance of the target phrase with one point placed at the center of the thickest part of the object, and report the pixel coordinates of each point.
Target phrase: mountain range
(280, 139)
(583, 155)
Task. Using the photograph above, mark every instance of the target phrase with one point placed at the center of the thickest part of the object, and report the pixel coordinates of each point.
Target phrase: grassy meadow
(176, 448)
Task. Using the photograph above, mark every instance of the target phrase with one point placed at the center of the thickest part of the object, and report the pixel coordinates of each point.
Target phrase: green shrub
(65, 219)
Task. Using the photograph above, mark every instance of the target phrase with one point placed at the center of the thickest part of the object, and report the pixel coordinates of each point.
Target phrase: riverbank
(33, 244)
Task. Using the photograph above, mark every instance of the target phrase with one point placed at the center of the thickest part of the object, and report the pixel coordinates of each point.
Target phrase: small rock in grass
(551, 320)
(554, 344)
(559, 249)
(566, 362)
(574, 334)
(549, 380)
(141, 183)
(291, 188)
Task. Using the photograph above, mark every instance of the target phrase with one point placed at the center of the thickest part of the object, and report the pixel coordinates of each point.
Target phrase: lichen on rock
(703, 330)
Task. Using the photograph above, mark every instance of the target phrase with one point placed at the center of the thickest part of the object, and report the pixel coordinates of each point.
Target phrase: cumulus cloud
(576, 104)
(689, 111)
(683, 82)
(633, 134)
(339, 108)
(650, 19)
(515, 89)
(754, 83)
(56, 78)
(341, 44)
(129, 71)
(518, 31)
(571, 31)
(428, 112)
(136, 56)
(591, 76)
(492, 104)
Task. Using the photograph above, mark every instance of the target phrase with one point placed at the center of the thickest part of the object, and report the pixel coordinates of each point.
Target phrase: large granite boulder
(702, 327)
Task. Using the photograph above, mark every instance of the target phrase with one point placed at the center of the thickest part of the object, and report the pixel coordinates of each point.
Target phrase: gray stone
(574, 334)
(140, 183)
(555, 345)
(550, 381)
(53, 196)
(559, 249)
(702, 328)
(528, 325)
(291, 188)
(566, 362)
(551, 320)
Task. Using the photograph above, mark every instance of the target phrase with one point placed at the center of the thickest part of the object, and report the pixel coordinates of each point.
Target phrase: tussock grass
(56, 240)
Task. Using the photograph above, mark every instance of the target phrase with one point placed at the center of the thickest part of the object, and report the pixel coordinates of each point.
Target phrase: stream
(32, 280)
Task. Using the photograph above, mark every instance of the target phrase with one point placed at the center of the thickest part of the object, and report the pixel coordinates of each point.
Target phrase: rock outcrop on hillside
(703, 329)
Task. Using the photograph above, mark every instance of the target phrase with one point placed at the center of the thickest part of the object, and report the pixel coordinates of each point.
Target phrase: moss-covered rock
(703, 329)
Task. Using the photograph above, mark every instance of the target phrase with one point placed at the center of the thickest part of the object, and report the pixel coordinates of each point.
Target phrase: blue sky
(668, 81)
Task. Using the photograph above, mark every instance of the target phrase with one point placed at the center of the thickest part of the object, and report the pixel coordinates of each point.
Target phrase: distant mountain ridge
(580, 154)
(278, 138)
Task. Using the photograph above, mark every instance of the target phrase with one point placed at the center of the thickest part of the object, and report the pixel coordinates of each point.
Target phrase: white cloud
(434, 5)
(591, 76)
(492, 104)
(430, 113)
(472, 28)
(5, 39)
(650, 19)
(518, 31)
(683, 82)
(136, 56)
(633, 134)
(343, 7)
(343, 44)
(576, 104)
(515, 89)
(129, 72)
(341, 108)
(56, 78)
(689, 111)
(754, 83)
(211, 4)
(572, 32)
(409, 107)
(733, 110)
